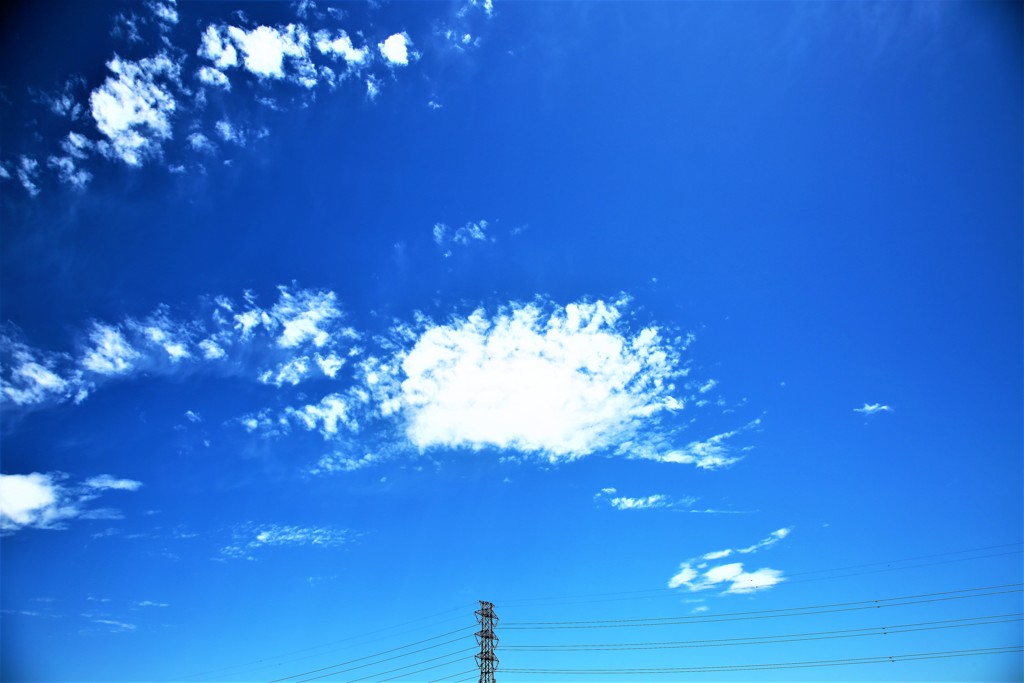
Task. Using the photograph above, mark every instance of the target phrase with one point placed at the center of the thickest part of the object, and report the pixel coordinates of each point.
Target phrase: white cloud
(657, 500)
(133, 108)
(111, 354)
(337, 462)
(473, 231)
(331, 414)
(291, 372)
(105, 481)
(214, 77)
(28, 172)
(559, 382)
(151, 603)
(250, 538)
(217, 48)
(696, 575)
(300, 334)
(395, 48)
(115, 626)
(266, 51)
(46, 501)
(872, 408)
(201, 143)
(302, 316)
(708, 386)
(708, 454)
(341, 46)
(164, 10)
(329, 364)
(193, 416)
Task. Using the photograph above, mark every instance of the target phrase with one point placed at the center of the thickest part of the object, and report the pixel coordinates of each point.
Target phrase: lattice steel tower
(487, 641)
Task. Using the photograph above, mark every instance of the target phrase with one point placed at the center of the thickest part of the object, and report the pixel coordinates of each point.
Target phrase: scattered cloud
(48, 501)
(873, 408)
(473, 231)
(300, 336)
(144, 104)
(115, 626)
(698, 574)
(338, 462)
(250, 538)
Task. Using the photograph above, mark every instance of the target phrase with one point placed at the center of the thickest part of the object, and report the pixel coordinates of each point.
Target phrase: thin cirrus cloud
(142, 105)
(556, 382)
(250, 539)
(49, 501)
(610, 495)
(706, 572)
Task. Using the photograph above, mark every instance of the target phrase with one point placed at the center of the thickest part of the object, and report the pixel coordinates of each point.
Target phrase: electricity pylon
(487, 641)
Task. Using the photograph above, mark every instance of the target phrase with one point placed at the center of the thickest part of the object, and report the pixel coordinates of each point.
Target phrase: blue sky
(322, 322)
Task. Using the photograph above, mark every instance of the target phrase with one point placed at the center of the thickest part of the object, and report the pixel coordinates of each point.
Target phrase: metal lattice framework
(485, 638)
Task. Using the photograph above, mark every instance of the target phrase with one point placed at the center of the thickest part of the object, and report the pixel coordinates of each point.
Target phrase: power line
(461, 673)
(667, 592)
(948, 654)
(772, 639)
(267, 661)
(770, 613)
(378, 654)
(458, 656)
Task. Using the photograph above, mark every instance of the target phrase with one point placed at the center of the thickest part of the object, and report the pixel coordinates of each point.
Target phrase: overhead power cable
(771, 613)
(916, 656)
(772, 639)
(461, 673)
(458, 656)
(378, 654)
(581, 598)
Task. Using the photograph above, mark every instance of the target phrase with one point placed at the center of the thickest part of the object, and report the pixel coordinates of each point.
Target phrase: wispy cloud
(249, 539)
(872, 409)
(705, 572)
(610, 496)
(49, 501)
(300, 336)
(473, 231)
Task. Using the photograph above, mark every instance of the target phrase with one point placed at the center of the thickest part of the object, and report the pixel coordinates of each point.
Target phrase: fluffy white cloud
(341, 45)
(395, 48)
(559, 382)
(133, 108)
(218, 48)
(46, 501)
(872, 408)
(266, 50)
(696, 574)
